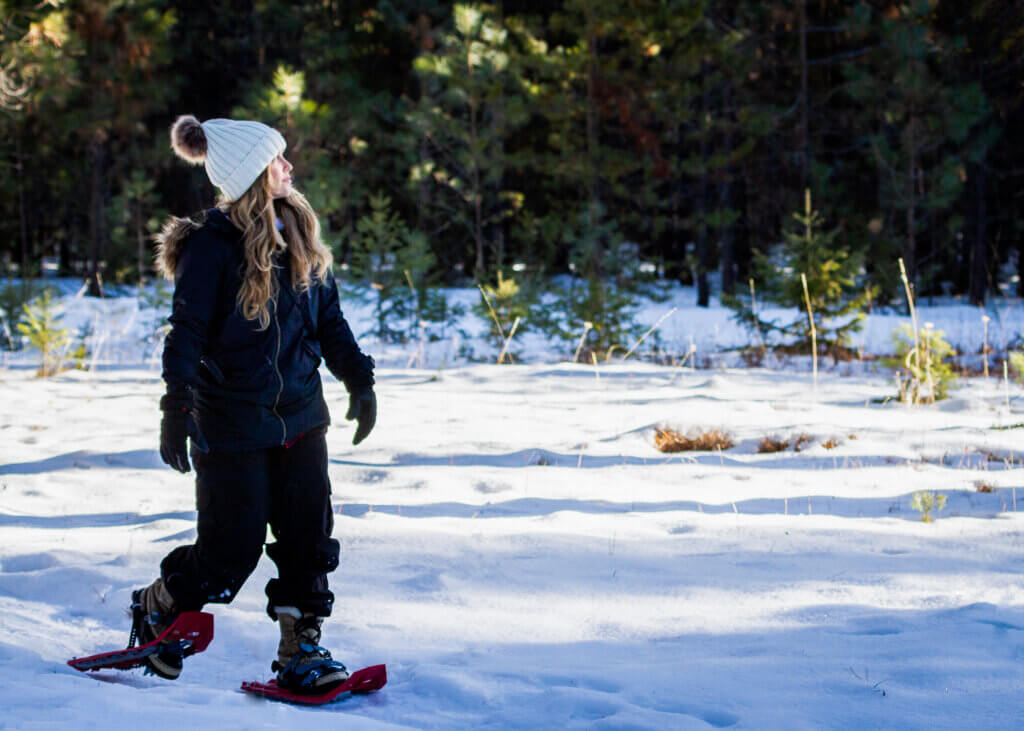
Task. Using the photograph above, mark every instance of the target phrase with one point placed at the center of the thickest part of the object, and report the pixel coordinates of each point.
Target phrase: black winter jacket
(247, 388)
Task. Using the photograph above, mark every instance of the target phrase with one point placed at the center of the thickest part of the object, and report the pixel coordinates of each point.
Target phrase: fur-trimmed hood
(171, 240)
(169, 244)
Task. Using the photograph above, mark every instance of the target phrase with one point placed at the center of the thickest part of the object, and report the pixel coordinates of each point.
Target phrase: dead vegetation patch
(711, 440)
(982, 486)
(774, 443)
(831, 443)
(801, 440)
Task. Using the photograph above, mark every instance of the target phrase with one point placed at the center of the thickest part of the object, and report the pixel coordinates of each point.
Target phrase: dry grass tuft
(772, 444)
(983, 486)
(801, 440)
(831, 443)
(669, 440)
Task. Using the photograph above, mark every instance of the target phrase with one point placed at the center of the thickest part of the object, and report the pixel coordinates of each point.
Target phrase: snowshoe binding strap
(310, 671)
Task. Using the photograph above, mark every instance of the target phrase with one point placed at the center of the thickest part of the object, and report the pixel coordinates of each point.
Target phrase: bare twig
(494, 316)
(649, 331)
(1006, 385)
(757, 324)
(504, 348)
(913, 320)
(814, 332)
(984, 347)
(587, 326)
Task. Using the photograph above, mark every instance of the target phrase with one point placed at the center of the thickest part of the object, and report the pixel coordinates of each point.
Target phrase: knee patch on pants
(321, 558)
(194, 582)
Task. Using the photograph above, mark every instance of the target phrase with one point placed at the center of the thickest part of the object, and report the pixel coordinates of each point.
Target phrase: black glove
(362, 406)
(175, 427)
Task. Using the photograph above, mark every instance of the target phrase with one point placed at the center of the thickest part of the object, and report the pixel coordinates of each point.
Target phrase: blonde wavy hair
(253, 214)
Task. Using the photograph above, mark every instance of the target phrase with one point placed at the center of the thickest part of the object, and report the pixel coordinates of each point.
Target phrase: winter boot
(303, 666)
(153, 611)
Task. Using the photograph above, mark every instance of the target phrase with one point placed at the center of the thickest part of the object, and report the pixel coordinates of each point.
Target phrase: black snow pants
(237, 495)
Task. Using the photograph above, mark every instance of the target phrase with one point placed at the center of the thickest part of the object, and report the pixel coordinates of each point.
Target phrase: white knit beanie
(235, 152)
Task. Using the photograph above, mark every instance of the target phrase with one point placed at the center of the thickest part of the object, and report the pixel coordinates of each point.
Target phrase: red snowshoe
(366, 680)
(190, 633)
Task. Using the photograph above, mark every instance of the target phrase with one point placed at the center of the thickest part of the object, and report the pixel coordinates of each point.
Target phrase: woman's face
(280, 177)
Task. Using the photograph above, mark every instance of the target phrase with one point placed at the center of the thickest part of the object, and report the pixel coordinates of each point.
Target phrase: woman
(255, 309)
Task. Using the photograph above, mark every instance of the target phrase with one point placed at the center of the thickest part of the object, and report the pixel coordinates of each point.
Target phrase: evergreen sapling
(13, 298)
(924, 372)
(41, 327)
(925, 502)
(503, 304)
(395, 261)
(593, 297)
(832, 294)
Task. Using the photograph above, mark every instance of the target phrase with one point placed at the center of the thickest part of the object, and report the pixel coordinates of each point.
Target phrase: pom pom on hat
(188, 139)
(235, 152)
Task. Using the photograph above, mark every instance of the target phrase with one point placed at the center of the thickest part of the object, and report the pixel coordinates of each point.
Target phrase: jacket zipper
(280, 378)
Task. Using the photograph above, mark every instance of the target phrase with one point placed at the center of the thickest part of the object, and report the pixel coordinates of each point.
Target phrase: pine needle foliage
(925, 502)
(472, 100)
(924, 372)
(1017, 365)
(592, 301)
(13, 298)
(837, 302)
(509, 301)
(41, 326)
(395, 261)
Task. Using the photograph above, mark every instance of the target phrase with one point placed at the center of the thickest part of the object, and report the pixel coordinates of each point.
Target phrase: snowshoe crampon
(190, 633)
(366, 680)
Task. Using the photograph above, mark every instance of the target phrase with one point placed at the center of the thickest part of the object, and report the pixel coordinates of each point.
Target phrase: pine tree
(809, 252)
(916, 125)
(703, 63)
(471, 103)
(505, 305)
(395, 262)
(41, 326)
(134, 217)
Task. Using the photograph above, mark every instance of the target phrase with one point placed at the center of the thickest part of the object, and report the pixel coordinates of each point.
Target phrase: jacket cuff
(176, 401)
(360, 373)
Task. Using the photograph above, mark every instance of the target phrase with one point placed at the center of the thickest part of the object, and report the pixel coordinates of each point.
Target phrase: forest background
(610, 139)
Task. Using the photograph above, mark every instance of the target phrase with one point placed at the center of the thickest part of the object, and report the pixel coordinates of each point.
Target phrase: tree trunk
(477, 188)
(726, 252)
(97, 229)
(703, 290)
(979, 247)
(804, 127)
(141, 241)
(910, 254)
(594, 207)
(1020, 266)
(22, 214)
(499, 229)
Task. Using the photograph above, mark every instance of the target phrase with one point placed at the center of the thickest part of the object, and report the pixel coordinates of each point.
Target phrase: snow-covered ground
(126, 331)
(519, 554)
